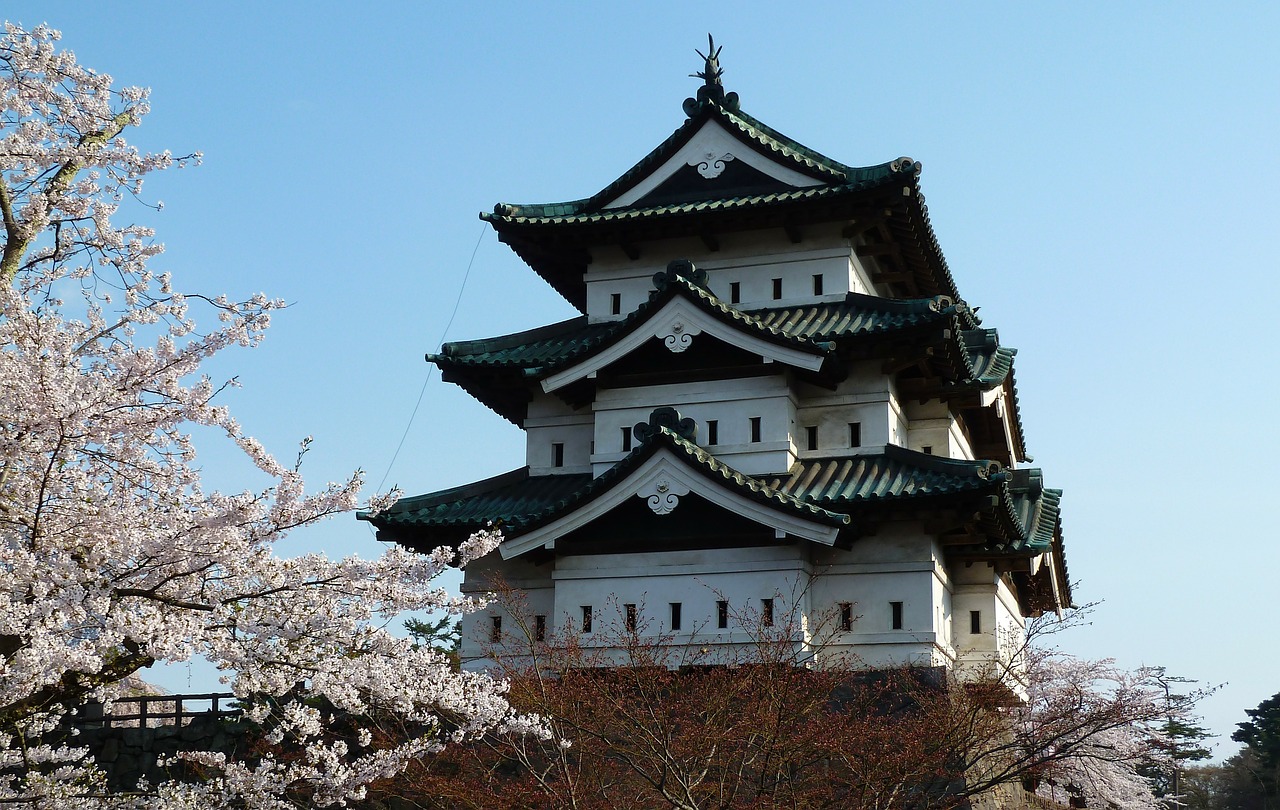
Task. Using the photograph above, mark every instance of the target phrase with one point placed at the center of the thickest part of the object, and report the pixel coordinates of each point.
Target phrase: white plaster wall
(731, 403)
(550, 420)
(753, 259)
(536, 595)
(979, 587)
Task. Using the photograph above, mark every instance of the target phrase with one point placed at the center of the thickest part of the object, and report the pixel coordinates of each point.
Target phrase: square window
(495, 629)
(755, 428)
(895, 615)
(777, 289)
(927, 449)
(629, 612)
(626, 440)
(539, 628)
(722, 614)
(675, 615)
(735, 292)
(586, 618)
(846, 616)
(811, 437)
(615, 304)
(855, 434)
(557, 454)
(766, 612)
(975, 621)
(817, 284)
(713, 431)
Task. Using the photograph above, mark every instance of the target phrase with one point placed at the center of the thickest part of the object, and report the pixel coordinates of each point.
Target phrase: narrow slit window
(675, 615)
(817, 284)
(495, 629)
(586, 618)
(626, 440)
(811, 437)
(975, 621)
(540, 628)
(629, 615)
(615, 304)
(557, 454)
(895, 615)
(855, 434)
(766, 612)
(713, 431)
(755, 428)
(722, 614)
(846, 616)
(735, 292)
(777, 289)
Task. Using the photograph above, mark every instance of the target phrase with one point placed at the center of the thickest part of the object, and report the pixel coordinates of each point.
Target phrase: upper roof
(502, 371)
(721, 171)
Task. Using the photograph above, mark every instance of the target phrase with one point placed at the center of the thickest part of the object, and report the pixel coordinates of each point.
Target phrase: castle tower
(774, 400)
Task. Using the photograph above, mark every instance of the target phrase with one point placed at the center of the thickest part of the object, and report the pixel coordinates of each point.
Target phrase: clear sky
(1100, 176)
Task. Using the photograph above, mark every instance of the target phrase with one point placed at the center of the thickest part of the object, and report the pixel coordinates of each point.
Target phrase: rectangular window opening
(626, 440)
(722, 614)
(755, 428)
(557, 454)
(777, 289)
(895, 615)
(846, 616)
(675, 615)
(586, 618)
(495, 629)
(540, 628)
(855, 434)
(811, 437)
(927, 449)
(817, 284)
(766, 612)
(615, 304)
(735, 292)
(713, 431)
(975, 621)
(629, 612)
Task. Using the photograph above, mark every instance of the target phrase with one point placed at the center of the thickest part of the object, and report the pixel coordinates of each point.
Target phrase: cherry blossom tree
(113, 555)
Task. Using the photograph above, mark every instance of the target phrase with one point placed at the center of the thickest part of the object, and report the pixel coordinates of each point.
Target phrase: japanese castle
(774, 403)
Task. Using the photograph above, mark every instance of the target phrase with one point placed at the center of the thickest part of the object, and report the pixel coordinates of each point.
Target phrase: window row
(675, 618)
(755, 433)
(735, 292)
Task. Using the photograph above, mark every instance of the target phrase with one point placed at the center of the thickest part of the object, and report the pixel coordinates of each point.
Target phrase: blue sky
(1102, 178)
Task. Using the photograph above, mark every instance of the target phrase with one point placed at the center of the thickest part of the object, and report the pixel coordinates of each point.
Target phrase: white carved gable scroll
(663, 494)
(710, 164)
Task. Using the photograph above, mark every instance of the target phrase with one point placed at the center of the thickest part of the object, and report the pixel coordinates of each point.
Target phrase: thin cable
(431, 368)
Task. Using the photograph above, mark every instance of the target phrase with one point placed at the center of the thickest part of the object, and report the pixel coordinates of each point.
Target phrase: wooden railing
(157, 710)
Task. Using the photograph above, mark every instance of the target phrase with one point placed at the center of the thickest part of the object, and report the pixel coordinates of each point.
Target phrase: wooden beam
(710, 240)
(793, 233)
(632, 250)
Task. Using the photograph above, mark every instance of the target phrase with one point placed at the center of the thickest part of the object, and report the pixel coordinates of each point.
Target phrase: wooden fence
(151, 711)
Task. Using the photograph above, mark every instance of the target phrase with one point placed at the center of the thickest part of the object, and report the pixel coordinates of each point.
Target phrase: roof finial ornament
(712, 72)
(712, 90)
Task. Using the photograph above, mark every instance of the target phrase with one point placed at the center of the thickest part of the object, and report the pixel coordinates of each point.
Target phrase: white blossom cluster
(1098, 725)
(112, 554)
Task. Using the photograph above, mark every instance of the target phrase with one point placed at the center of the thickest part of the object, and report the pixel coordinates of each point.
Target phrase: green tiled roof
(517, 502)
(579, 212)
(1024, 515)
(810, 326)
(897, 473)
(759, 136)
